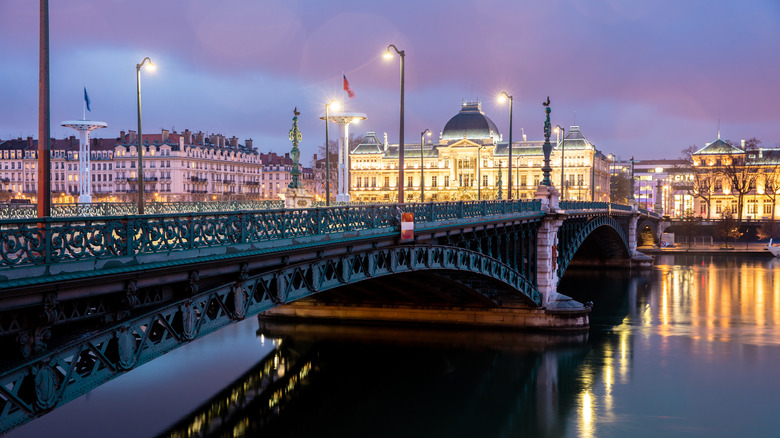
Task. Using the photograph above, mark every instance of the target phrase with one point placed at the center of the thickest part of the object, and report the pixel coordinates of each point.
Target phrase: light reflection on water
(696, 355)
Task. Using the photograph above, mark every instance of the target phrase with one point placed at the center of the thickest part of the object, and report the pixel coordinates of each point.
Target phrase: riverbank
(751, 248)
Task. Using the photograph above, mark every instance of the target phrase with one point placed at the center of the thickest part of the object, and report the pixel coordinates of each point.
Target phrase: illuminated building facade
(470, 162)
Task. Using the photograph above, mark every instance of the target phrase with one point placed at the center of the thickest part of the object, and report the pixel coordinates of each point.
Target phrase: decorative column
(84, 127)
(296, 195)
(343, 119)
(547, 258)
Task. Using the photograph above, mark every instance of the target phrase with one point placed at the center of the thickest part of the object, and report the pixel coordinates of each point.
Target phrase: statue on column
(296, 195)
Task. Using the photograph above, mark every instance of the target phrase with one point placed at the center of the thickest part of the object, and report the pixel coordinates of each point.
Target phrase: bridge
(85, 299)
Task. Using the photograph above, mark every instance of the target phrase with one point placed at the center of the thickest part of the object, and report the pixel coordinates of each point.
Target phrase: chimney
(315, 158)
(384, 146)
(760, 152)
(743, 144)
(286, 155)
(121, 135)
(234, 141)
(131, 136)
(29, 142)
(249, 143)
(72, 141)
(199, 138)
(187, 136)
(164, 135)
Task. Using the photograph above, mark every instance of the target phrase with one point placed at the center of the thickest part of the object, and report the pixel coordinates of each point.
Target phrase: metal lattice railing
(22, 211)
(25, 242)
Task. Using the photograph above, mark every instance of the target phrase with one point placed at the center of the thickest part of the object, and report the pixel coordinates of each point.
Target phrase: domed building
(470, 162)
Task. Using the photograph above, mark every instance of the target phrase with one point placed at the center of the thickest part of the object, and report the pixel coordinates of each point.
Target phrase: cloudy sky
(643, 78)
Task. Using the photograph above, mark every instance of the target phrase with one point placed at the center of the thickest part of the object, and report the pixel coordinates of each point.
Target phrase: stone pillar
(547, 245)
(632, 234)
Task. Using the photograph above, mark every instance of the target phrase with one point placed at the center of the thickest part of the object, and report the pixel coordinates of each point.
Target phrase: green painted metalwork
(295, 137)
(76, 368)
(546, 147)
(28, 242)
(574, 231)
(29, 211)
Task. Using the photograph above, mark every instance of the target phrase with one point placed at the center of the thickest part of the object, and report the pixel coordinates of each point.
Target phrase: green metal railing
(21, 211)
(32, 241)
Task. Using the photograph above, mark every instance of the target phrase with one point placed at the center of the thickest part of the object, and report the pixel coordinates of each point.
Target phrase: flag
(347, 87)
(86, 99)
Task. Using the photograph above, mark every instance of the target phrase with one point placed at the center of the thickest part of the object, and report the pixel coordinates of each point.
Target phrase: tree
(741, 178)
(689, 226)
(702, 185)
(620, 186)
(728, 227)
(319, 165)
(771, 178)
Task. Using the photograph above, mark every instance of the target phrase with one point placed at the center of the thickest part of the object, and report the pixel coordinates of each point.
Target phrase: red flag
(347, 87)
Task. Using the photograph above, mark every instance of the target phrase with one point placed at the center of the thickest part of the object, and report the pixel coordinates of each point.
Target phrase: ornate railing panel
(21, 211)
(32, 241)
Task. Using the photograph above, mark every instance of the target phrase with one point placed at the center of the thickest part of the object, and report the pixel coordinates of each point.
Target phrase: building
(470, 162)
(744, 179)
(656, 184)
(183, 166)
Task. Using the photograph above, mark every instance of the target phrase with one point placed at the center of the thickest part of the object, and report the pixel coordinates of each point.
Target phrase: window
(359, 182)
(373, 181)
(767, 208)
(387, 181)
(434, 181)
(752, 206)
(446, 180)
(523, 180)
(484, 180)
(410, 181)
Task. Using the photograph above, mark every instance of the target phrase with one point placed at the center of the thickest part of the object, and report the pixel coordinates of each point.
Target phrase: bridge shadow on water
(379, 381)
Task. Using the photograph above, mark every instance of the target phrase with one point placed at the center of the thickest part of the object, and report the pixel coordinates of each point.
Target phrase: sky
(640, 78)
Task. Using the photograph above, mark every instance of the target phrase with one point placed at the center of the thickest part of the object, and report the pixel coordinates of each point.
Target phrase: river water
(690, 348)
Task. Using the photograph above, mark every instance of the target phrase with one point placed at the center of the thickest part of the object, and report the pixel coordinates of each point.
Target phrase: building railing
(34, 241)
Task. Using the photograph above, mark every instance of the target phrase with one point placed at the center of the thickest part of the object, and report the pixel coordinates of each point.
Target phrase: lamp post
(422, 164)
(389, 55)
(327, 154)
(140, 136)
(563, 152)
(503, 96)
(44, 114)
(479, 171)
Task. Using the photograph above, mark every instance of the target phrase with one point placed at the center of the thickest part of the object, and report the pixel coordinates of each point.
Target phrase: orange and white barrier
(407, 226)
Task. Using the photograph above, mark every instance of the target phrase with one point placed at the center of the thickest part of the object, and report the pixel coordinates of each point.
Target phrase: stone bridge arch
(601, 237)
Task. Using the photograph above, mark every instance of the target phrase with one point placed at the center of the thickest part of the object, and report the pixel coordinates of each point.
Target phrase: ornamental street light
(327, 151)
(479, 169)
(502, 97)
(422, 163)
(140, 134)
(389, 55)
(563, 151)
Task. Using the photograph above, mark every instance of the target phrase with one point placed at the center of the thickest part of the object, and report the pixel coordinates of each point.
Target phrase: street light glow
(388, 55)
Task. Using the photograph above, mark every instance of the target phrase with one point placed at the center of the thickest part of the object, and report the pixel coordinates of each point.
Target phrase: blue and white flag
(86, 99)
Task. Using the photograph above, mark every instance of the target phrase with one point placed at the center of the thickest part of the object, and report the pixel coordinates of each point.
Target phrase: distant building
(470, 161)
(183, 166)
(656, 184)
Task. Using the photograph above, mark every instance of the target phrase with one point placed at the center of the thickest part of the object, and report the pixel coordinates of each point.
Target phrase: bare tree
(741, 177)
(319, 165)
(728, 227)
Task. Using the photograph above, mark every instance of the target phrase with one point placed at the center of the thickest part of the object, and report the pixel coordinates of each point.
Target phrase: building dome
(470, 123)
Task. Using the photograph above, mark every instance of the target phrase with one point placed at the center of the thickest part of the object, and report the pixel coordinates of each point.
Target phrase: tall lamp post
(44, 128)
(389, 55)
(327, 153)
(503, 96)
(422, 163)
(140, 135)
(563, 151)
(479, 171)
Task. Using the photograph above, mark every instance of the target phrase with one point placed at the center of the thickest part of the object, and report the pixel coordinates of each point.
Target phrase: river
(690, 348)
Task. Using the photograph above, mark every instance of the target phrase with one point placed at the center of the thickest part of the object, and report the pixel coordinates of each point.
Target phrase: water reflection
(385, 381)
(701, 330)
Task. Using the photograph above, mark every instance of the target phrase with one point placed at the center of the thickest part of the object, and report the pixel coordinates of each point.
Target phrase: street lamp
(502, 97)
(479, 169)
(422, 163)
(389, 55)
(140, 134)
(563, 139)
(327, 151)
